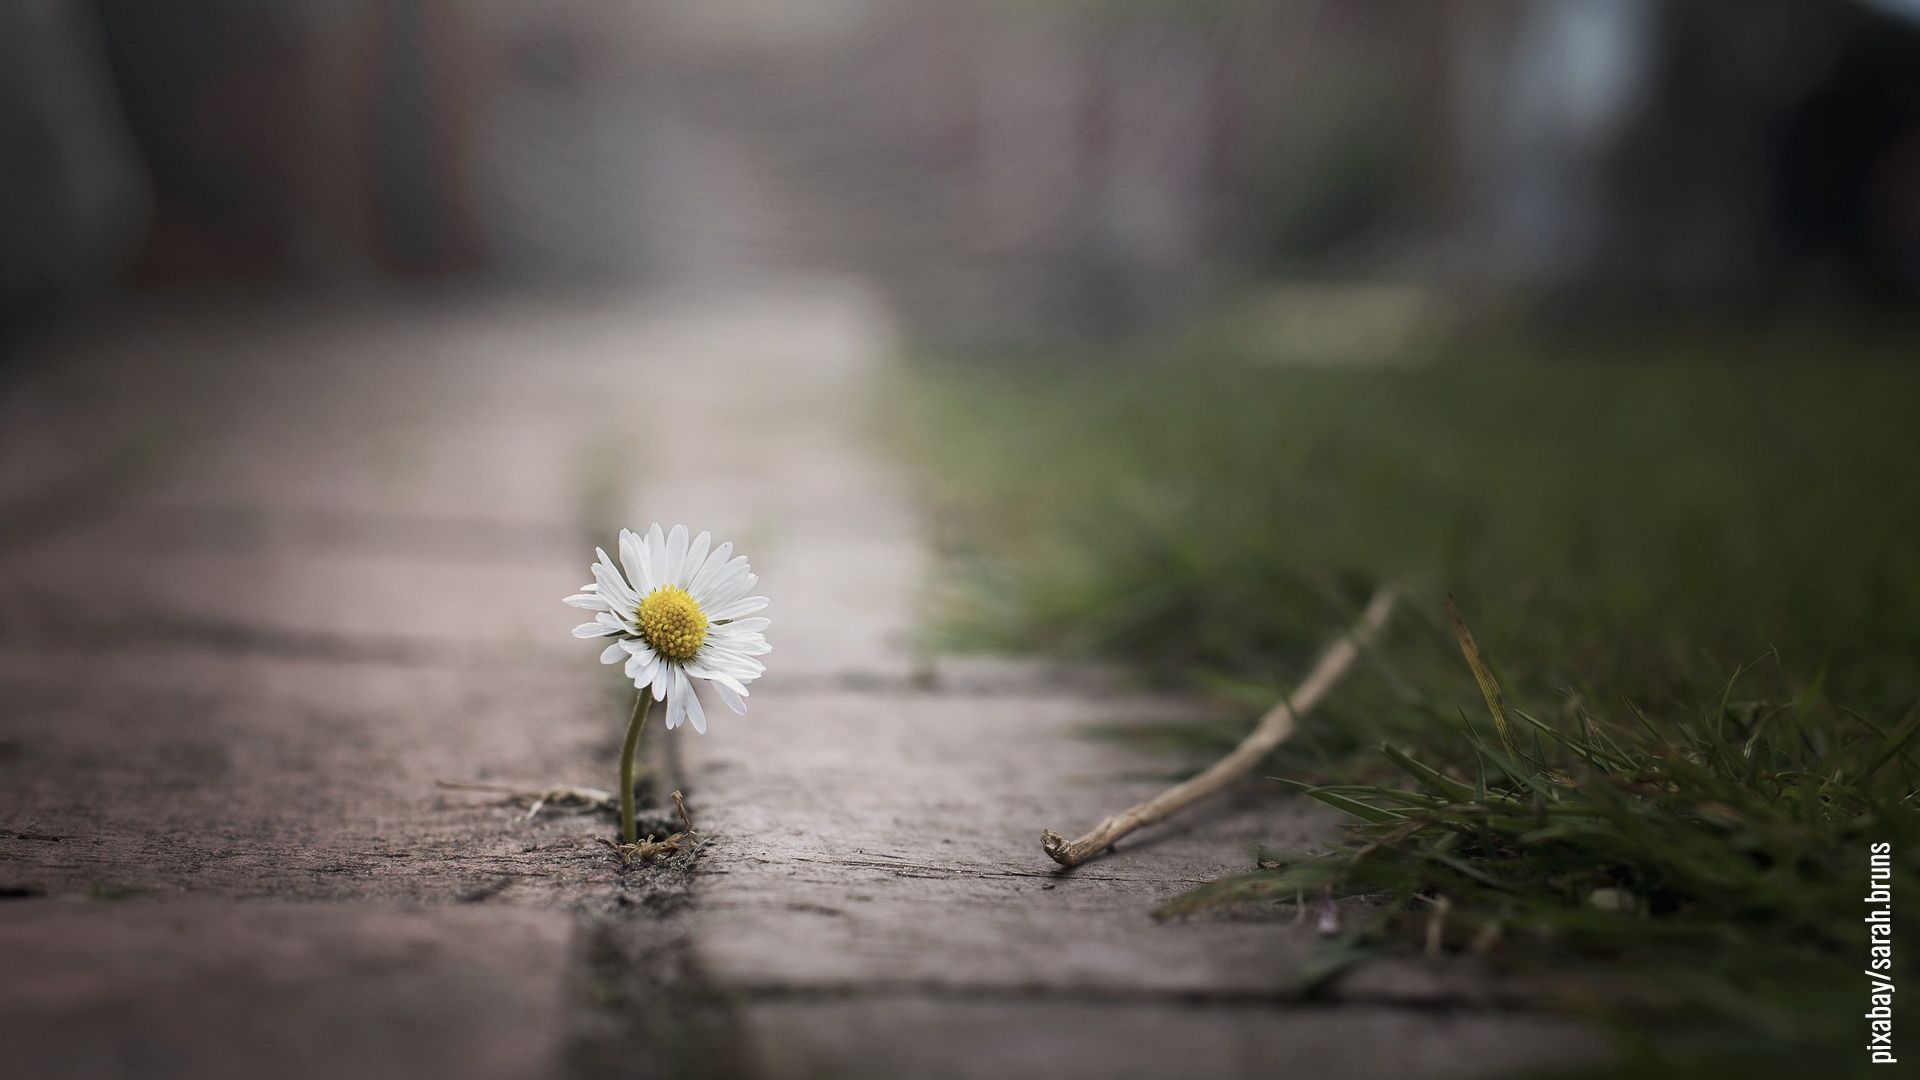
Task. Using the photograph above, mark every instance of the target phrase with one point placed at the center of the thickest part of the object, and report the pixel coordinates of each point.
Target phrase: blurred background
(1190, 323)
(1010, 172)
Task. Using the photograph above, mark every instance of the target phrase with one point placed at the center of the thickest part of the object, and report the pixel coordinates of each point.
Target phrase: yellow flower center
(672, 623)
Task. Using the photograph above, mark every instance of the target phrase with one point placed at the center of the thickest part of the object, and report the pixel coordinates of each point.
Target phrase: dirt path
(264, 582)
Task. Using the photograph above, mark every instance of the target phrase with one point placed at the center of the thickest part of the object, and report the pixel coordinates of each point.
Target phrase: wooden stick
(1273, 729)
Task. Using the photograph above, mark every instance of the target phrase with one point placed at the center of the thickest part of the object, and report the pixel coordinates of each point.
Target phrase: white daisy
(680, 614)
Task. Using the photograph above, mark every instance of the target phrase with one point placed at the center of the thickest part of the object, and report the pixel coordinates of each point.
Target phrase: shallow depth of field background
(1598, 317)
(1352, 174)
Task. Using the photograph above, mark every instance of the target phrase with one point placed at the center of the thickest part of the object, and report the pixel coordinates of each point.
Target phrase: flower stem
(642, 705)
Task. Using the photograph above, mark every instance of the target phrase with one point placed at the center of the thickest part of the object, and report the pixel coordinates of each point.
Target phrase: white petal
(745, 642)
(724, 585)
(612, 585)
(677, 694)
(744, 668)
(657, 555)
(709, 570)
(744, 645)
(660, 681)
(642, 670)
(696, 713)
(633, 562)
(716, 676)
(718, 650)
(744, 606)
(587, 600)
(696, 558)
(676, 554)
(650, 579)
(745, 626)
(732, 699)
(594, 629)
(613, 654)
(666, 681)
(740, 675)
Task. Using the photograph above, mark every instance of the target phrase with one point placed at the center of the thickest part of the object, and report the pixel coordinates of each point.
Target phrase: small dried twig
(574, 800)
(1273, 729)
(647, 849)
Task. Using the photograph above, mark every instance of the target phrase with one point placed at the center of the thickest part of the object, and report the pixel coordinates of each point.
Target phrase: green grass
(1696, 565)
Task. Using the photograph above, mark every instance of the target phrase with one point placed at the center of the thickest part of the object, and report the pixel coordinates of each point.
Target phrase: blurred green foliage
(1626, 523)
(1693, 564)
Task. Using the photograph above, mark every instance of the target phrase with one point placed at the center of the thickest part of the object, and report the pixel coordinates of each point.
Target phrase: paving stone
(877, 854)
(208, 989)
(896, 838)
(233, 674)
(77, 591)
(941, 1038)
(239, 775)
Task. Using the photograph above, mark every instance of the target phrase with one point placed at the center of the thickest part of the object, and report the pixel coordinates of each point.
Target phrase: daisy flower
(679, 617)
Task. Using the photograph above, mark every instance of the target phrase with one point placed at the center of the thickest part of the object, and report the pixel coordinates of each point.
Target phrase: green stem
(642, 705)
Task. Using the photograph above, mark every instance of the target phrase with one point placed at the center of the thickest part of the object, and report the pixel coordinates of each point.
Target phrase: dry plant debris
(562, 797)
(1273, 729)
(647, 849)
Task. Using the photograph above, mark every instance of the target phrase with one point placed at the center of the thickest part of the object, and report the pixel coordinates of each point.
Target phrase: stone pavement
(267, 579)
